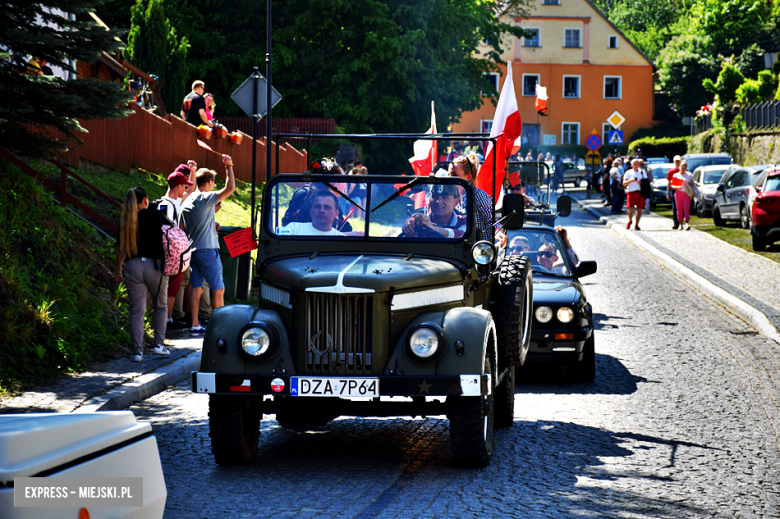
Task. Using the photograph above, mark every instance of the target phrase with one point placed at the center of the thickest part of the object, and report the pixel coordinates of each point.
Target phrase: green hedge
(660, 147)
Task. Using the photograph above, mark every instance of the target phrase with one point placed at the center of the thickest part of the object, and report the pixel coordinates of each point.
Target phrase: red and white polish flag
(424, 159)
(507, 127)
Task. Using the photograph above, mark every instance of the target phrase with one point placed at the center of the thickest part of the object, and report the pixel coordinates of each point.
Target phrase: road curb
(143, 387)
(733, 304)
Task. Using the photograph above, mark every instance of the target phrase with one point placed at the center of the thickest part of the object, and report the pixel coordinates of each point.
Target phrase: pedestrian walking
(141, 251)
(558, 168)
(682, 182)
(669, 193)
(193, 108)
(632, 184)
(615, 187)
(199, 217)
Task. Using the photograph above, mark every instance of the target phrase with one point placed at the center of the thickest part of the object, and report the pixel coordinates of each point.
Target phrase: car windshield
(659, 173)
(545, 250)
(714, 176)
(336, 207)
(772, 184)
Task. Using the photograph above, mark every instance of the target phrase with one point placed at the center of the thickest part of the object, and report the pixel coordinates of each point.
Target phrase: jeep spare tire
(512, 311)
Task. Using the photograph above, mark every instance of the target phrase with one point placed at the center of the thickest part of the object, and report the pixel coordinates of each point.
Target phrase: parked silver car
(659, 172)
(733, 194)
(708, 178)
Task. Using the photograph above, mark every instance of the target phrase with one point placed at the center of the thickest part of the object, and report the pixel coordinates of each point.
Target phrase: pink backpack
(176, 246)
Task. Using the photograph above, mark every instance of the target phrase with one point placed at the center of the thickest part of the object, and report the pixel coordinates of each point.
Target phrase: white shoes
(138, 357)
(161, 350)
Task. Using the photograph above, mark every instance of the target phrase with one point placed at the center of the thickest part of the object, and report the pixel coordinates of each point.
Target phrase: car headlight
(256, 341)
(544, 314)
(483, 253)
(424, 342)
(565, 314)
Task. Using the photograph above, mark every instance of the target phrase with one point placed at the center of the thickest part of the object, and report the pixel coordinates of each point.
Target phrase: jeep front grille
(338, 333)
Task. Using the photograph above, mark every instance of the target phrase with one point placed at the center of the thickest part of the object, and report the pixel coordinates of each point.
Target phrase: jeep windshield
(366, 207)
(544, 248)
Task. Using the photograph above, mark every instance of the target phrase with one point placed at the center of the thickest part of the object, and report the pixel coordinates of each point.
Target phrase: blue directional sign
(593, 142)
(616, 137)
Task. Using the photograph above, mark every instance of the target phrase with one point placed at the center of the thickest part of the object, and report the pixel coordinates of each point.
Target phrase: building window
(611, 87)
(492, 78)
(529, 84)
(571, 87)
(487, 125)
(570, 134)
(571, 38)
(534, 41)
(612, 42)
(551, 2)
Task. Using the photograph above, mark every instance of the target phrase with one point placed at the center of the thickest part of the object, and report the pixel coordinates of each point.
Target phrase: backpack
(644, 187)
(155, 204)
(176, 247)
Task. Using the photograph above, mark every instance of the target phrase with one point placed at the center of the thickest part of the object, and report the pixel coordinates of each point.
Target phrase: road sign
(615, 120)
(616, 137)
(593, 142)
(243, 96)
(593, 158)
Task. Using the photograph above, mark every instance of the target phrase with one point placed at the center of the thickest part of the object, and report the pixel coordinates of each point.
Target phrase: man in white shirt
(324, 210)
(631, 182)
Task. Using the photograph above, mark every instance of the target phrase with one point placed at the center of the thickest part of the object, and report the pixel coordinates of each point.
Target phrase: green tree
(733, 25)
(682, 66)
(153, 46)
(757, 90)
(725, 90)
(31, 105)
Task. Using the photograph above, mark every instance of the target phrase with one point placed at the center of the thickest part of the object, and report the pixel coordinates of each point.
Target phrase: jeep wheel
(471, 425)
(584, 370)
(512, 311)
(234, 428)
(716, 217)
(505, 399)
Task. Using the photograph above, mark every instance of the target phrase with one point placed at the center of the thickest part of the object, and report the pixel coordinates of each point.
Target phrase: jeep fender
(472, 326)
(226, 324)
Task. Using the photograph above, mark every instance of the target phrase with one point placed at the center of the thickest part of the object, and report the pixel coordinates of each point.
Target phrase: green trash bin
(236, 272)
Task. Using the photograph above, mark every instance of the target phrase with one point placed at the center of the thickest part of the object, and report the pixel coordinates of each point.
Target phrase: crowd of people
(190, 203)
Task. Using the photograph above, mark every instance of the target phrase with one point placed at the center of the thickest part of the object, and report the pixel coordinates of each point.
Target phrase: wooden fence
(280, 125)
(147, 141)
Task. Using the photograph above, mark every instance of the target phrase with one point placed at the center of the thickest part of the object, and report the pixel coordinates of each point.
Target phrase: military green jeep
(370, 307)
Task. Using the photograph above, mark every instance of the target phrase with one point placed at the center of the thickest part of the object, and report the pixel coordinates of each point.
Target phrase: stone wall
(745, 148)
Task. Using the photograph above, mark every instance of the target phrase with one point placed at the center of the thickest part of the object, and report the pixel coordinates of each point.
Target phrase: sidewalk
(746, 284)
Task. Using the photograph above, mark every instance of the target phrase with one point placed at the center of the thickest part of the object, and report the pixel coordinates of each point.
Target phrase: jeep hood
(551, 290)
(377, 273)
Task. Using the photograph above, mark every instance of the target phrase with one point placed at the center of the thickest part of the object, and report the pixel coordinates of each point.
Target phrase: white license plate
(333, 386)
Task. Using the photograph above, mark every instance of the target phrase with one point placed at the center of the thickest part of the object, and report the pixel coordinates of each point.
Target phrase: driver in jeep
(440, 218)
(323, 212)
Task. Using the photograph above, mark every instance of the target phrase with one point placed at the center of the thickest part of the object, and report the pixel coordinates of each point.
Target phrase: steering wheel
(421, 232)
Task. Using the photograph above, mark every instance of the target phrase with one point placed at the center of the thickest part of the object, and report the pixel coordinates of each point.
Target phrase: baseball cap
(676, 158)
(445, 190)
(177, 177)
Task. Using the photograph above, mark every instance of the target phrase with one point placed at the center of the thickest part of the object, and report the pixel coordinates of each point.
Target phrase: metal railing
(758, 116)
(301, 125)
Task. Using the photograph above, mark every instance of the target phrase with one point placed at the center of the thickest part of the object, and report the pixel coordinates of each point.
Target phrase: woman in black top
(141, 249)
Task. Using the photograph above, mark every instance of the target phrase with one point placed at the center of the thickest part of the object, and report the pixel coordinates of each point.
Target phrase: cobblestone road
(681, 422)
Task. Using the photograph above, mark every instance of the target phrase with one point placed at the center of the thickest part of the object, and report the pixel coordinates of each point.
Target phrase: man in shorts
(198, 211)
(632, 183)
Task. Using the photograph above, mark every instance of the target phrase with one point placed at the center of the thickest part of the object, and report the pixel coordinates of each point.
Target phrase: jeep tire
(512, 310)
(584, 370)
(471, 424)
(234, 428)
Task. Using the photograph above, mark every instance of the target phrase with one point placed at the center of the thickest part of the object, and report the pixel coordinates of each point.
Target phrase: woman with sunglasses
(466, 168)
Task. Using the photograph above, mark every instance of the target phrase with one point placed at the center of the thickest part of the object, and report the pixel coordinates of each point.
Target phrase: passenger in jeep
(440, 218)
(323, 211)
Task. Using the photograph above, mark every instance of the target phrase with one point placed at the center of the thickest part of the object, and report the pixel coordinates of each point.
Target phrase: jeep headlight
(483, 253)
(424, 342)
(544, 314)
(565, 314)
(256, 341)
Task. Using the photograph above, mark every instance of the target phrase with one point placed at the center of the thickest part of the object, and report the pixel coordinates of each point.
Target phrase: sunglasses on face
(545, 254)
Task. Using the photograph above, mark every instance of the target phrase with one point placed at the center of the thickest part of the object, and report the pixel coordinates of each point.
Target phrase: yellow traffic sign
(593, 158)
(615, 120)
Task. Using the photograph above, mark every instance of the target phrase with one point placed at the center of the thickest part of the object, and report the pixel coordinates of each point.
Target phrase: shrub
(660, 147)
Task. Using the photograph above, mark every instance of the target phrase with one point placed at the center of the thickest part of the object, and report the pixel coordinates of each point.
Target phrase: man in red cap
(179, 188)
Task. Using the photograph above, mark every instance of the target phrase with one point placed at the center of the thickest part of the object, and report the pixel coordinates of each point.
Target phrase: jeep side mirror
(586, 268)
(513, 212)
(564, 205)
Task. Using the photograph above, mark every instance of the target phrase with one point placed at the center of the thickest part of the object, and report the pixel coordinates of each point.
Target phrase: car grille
(338, 333)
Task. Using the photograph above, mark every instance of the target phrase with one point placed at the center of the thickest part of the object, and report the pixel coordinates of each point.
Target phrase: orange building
(590, 70)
